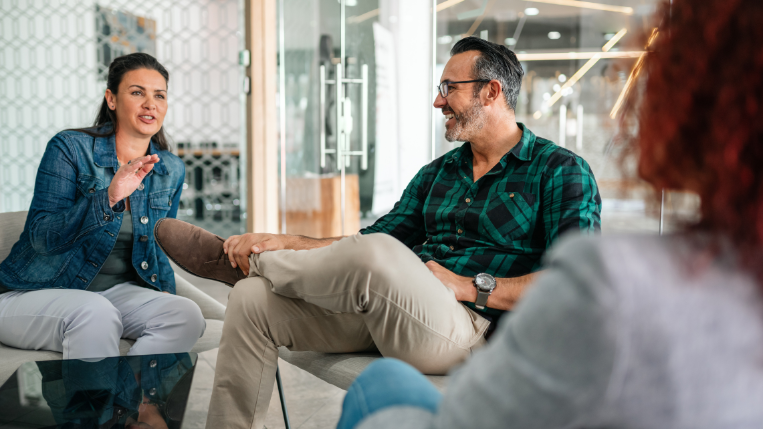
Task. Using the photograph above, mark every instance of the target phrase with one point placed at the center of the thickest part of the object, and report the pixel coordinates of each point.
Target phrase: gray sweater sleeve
(549, 363)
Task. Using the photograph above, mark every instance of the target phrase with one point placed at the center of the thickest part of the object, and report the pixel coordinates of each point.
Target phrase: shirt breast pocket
(508, 217)
(160, 203)
(88, 185)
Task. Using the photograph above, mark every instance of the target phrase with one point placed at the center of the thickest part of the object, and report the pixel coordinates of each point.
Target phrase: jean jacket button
(141, 187)
(153, 278)
(144, 220)
(144, 265)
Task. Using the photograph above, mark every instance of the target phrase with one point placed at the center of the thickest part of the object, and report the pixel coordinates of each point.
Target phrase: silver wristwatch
(485, 283)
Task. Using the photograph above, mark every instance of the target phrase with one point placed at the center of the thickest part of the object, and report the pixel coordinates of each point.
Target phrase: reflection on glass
(578, 57)
(379, 108)
(121, 392)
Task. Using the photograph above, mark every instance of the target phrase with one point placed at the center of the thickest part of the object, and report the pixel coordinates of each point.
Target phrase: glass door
(354, 125)
(578, 59)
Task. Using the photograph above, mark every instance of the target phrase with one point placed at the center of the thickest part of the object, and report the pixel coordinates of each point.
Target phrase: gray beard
(467, 124)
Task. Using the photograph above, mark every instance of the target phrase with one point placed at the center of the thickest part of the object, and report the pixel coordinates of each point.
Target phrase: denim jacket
(70, 228)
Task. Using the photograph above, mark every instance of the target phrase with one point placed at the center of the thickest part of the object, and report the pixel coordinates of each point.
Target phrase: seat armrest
(210, 308)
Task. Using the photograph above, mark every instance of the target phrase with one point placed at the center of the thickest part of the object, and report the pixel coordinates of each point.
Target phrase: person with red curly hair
(635, 331)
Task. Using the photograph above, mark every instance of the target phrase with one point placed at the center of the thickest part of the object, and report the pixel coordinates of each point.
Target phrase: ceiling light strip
(616, 38)
(551, 56)
(583, 70)
(626, 89)
(446, 4)
(374, 13)
(588, 5)
(479, 19)
(573, 80)
(632, 78)
(361, 18)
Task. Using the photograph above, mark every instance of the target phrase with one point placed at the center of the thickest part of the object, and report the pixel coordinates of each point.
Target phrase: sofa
(11, 227)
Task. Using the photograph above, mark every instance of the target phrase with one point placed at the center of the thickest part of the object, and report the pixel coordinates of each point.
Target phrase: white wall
(410, 23)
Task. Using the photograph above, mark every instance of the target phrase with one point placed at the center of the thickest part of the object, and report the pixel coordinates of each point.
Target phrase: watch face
(484, 282)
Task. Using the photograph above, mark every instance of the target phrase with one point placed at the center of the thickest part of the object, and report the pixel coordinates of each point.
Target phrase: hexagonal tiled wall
(49, 81)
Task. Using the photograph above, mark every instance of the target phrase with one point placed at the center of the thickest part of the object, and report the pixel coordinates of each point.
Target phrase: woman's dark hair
(118, 68)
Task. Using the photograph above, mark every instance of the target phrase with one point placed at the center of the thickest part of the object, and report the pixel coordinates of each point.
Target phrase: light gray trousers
(82, 324)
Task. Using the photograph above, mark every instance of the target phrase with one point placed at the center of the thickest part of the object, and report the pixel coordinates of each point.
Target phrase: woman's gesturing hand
(128, 177)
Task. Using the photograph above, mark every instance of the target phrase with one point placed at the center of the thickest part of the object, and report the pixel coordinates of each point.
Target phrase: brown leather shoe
(196, 250)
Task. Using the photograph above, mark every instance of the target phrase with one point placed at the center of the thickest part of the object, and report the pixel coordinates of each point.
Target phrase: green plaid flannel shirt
(503, 223)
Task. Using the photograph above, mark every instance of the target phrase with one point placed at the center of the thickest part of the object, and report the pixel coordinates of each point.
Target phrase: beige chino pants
(364, 292)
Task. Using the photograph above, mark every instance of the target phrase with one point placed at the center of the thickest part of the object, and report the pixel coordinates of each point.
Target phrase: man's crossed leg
(361, 293)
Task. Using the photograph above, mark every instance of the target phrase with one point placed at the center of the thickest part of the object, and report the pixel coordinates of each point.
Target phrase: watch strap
(481, 299)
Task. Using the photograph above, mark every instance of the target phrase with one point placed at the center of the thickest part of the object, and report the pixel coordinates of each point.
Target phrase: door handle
(344, 120)
(364, 117)
(340, 132)
(323, 84)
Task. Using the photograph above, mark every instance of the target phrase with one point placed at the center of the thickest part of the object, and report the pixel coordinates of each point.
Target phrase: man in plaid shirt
(424, 282)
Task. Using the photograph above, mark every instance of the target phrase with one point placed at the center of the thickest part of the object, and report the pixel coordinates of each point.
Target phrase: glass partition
(577, 58)
(354, 109)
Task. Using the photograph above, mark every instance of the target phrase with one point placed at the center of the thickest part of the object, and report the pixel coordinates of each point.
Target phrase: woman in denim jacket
(86, 271)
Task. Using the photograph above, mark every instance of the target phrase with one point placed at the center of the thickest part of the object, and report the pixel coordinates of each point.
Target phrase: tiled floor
(312, 403)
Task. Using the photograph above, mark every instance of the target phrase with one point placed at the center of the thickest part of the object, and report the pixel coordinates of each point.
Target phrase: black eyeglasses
(443, 87)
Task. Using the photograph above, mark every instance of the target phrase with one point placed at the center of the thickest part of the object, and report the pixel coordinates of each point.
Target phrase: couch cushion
(12, 358)
(340, 369)
(210, 307)
(211, 338)
(11, 227)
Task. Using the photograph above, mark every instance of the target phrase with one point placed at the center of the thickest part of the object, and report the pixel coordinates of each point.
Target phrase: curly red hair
(700, 117)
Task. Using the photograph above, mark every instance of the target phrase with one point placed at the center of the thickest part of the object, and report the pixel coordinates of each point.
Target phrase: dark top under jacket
(117, 268)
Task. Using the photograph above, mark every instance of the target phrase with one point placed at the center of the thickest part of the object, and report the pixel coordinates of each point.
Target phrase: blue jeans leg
(387, 383)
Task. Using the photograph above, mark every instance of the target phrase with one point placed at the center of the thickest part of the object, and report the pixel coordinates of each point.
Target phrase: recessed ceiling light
(510, 41)
(554, 35)
(444, 40)
(562, 78)
(532, 11)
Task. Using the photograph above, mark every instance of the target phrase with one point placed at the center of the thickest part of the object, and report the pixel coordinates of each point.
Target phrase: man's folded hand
(239, 247)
